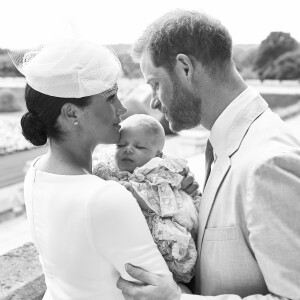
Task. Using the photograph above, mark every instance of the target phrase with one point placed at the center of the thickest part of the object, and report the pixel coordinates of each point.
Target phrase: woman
(84, 228)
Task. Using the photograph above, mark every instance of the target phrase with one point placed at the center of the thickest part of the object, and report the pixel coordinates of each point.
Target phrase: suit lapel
(250, 111)
(214, 182)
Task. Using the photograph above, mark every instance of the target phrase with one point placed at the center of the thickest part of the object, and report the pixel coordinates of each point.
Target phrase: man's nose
(155, 103)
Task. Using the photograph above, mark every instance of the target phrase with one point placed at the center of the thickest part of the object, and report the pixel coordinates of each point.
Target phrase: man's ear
(159, 154)
(184, 67)
(69, 112)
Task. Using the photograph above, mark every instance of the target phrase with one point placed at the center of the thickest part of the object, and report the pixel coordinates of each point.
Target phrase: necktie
(209, 158)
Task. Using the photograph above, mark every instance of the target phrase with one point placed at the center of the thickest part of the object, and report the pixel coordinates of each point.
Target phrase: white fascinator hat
(70, 68)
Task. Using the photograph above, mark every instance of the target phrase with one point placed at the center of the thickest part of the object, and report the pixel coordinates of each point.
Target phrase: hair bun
(34, 129)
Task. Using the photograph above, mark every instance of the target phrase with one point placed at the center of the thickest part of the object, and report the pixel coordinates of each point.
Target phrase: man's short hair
(192, 33)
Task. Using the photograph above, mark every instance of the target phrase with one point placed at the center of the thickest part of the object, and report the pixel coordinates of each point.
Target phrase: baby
(155, 182)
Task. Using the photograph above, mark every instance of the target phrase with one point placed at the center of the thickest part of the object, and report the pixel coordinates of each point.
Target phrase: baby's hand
(138, 198)
(127, 185)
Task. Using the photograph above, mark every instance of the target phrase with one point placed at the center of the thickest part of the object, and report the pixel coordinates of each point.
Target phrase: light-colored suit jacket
(249, 235)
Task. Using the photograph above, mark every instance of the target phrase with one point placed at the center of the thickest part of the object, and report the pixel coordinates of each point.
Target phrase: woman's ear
(69, 112)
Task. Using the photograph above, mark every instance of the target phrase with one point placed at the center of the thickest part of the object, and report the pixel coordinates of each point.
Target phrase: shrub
(8, 101)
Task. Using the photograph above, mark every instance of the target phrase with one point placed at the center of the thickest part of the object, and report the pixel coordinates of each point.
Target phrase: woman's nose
(121, 109)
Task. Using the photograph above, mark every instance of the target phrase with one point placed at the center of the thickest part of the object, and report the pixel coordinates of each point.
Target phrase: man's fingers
(184, 171)
(127, 287)
(187, 180)
(192, 188)
(141, 275)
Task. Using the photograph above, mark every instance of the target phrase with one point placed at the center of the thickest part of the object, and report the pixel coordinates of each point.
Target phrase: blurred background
(266, 52)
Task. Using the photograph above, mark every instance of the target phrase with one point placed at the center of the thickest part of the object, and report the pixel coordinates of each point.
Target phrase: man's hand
(155, 287)
(188, 184)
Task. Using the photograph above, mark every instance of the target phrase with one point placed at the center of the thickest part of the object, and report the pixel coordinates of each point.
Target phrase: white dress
(85, 230)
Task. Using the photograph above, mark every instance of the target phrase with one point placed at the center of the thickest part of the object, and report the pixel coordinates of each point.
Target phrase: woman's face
(101, 119)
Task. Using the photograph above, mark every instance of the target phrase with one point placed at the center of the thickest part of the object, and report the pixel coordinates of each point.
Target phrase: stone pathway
(13, 233)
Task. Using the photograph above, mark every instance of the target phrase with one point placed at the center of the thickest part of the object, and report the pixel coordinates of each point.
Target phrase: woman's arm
(119, 232)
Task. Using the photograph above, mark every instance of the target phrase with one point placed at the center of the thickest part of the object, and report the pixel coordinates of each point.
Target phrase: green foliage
(276, 44)
(244, 56)
(8, 101)
(130, 68)
(276, 101)
(7, 68)
(285, 67)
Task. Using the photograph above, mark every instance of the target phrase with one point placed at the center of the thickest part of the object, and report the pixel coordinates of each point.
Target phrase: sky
(27, 23)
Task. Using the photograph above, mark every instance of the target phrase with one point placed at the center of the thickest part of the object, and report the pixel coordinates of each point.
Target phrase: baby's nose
(128, 150)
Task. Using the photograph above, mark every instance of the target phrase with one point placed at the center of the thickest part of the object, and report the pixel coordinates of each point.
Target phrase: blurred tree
(244, 56)
(130, 68)
(285, 67)
(7, 68)
(8, 101)
(3, 51)
(276, 44)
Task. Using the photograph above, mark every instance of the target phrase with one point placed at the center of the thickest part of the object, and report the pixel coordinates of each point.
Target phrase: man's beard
(185, 108)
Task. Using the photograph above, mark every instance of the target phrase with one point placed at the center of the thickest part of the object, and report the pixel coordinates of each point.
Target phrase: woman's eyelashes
(112, 97)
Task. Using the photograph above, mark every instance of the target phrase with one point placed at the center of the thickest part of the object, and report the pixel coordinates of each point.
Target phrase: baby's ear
(159, 154)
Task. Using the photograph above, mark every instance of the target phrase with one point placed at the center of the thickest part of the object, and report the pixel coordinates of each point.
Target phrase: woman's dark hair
(40, 122)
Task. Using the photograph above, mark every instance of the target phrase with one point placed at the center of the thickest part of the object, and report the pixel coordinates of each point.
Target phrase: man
(249, 233)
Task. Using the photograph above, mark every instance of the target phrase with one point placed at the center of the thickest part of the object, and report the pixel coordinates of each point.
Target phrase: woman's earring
(76, 123)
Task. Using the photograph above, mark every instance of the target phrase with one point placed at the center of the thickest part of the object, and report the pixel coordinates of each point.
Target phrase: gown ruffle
(172, 216)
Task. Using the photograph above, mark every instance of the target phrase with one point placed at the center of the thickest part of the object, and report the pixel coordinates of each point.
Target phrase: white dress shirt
(223, 122)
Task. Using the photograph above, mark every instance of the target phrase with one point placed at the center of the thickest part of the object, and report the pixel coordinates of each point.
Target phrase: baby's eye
(140, 147)
(120, 145)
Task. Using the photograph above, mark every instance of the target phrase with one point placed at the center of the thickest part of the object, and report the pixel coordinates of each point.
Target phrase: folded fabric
(172, 216)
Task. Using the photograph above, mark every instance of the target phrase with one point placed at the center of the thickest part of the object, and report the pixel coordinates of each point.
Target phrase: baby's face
(135, 148)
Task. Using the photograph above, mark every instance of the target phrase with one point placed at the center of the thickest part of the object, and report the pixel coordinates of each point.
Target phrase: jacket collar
(229, 129)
